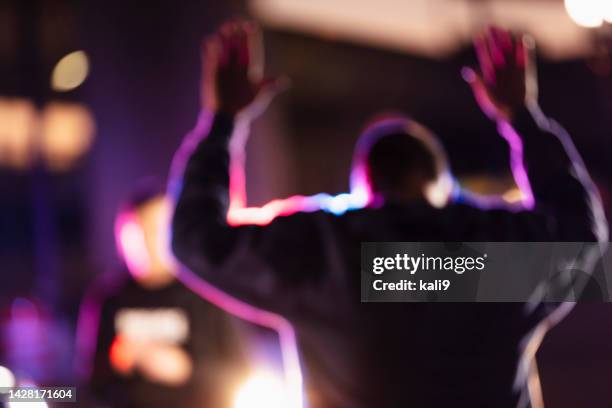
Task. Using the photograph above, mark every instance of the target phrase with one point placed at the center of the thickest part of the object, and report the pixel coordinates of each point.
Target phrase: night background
(60, 192)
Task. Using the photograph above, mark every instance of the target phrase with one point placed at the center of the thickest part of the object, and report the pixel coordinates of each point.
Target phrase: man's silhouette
(145, 339)
(306, 266)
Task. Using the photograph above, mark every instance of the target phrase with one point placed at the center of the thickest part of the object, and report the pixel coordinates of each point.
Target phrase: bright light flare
(607, 11)
(7, 379)
(70, 72)
(263, 389)
(587, 13)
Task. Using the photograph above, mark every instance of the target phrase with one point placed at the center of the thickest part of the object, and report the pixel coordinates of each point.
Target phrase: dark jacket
(306, 268)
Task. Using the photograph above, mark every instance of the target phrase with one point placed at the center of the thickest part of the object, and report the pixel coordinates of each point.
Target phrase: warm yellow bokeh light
(18, 124)
(67, 131)
(514, 195)
(70, 72)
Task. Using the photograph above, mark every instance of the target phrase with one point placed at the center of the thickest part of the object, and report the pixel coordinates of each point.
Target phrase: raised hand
(232, 78)
(507, 80)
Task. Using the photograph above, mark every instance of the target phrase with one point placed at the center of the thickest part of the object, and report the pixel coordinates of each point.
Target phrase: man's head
(142, 235)
(399, 160)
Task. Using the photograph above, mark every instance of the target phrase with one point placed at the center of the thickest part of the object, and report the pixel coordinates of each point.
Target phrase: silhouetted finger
(495, 50)
(211, 47)
(242, 44)
(520, 53)
(484, 57)
(507, 43)
(503, 38)
(479, 90)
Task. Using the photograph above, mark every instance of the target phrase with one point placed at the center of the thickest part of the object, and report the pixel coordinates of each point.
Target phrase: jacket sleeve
(559, 181)
(563, 189)
(256, 264)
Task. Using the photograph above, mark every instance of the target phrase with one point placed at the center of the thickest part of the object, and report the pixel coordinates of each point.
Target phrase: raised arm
(232, 92)
(544, 161)
(240, 260)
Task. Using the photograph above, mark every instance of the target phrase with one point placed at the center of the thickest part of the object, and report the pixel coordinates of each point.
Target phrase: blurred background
(95, 95)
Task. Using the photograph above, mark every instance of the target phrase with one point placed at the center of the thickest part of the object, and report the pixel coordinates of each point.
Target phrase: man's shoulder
(302, 217)
(502, 222)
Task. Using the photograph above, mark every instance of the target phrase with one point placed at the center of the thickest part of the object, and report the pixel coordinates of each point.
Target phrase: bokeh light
(586, 13)
(514, 195)
(7, 379)
(70, 72)
(18, 123)
(263, 389)
(607, 10)
(66, 134)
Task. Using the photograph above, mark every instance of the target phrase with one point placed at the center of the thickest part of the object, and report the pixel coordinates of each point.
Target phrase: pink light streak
(517, 166)
(239, 214)
(286, 333)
